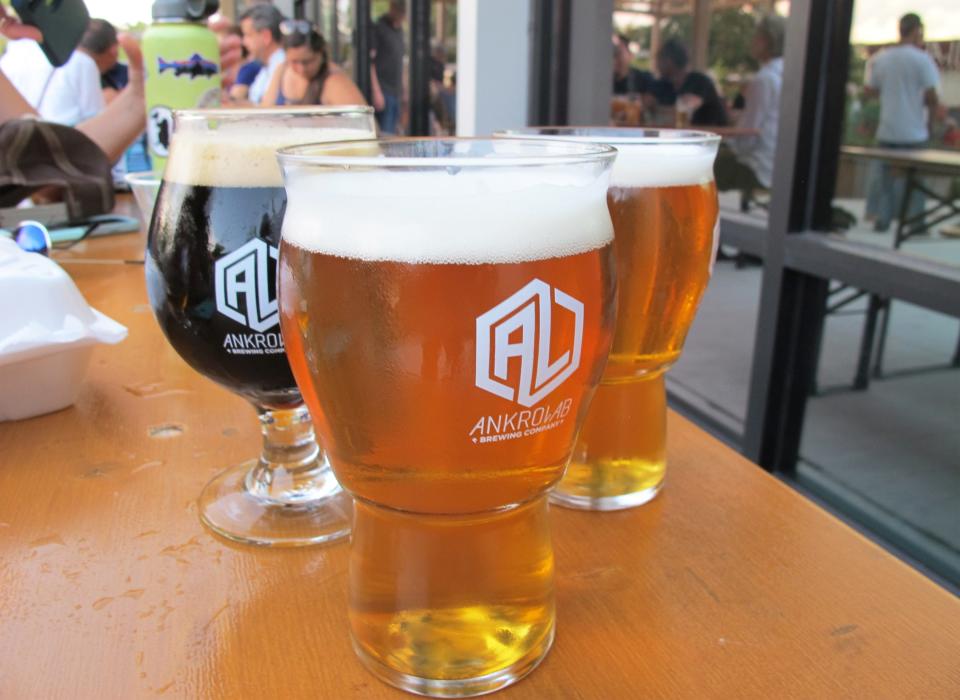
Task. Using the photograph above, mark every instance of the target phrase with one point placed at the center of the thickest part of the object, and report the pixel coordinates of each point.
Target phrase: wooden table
(727, 585)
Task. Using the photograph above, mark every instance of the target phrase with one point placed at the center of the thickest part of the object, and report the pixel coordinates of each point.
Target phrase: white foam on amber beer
(662, 165)
(459, 215)
(665, 161)
(241, 157)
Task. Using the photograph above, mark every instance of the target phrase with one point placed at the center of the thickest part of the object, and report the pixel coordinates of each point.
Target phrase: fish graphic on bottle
(182, 61)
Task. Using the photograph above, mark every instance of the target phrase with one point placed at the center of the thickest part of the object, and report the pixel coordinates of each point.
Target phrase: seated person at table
(247, 73)
(308, 76)
(100, 43)
(260, 26)
(688, 89)
(746, 162)
(628, 80)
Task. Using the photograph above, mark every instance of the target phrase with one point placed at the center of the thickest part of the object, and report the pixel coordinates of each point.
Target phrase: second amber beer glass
(663, 202)
(447, 307)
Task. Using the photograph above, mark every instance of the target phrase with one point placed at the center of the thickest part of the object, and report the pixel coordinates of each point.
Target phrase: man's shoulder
(770, 75)
(640, 80)
(697, 82)
(276, 58)
(80, 66)
(900, 53)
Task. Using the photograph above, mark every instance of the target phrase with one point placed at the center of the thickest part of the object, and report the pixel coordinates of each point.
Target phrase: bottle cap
(190, 10)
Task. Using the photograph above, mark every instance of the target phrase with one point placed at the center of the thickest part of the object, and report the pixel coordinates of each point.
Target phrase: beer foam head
(241, 156)
(468, 215)
(662, 165)
(645, 157)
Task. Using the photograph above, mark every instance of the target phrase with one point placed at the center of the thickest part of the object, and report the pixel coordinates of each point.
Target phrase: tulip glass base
(288, 497)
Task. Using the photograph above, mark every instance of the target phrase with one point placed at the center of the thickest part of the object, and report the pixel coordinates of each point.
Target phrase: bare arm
(12, 104)
(124, 119)
(376, 92)
(239, 93)
(115, 128)
(119, 125)
(340, 90)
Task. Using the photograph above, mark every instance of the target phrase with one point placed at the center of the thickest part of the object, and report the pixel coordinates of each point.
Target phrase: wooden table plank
(727, 585)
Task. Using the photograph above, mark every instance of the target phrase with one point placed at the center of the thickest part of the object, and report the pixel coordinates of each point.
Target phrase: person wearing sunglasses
(308, 76)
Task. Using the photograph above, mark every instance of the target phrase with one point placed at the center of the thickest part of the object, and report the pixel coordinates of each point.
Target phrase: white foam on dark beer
(241, 157)
(459, 215)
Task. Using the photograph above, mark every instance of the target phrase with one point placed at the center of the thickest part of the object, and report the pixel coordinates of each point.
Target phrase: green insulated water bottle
(182, 62)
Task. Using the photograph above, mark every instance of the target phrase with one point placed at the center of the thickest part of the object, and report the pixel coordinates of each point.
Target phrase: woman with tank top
(308, 76)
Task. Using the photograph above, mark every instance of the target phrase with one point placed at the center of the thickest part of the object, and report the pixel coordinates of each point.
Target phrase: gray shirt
(389, 45)
(902, 74)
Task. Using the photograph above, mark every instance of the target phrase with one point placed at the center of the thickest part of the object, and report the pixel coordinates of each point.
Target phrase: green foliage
(730, 33)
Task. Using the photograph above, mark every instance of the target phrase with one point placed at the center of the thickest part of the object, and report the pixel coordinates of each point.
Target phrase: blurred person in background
(237, 79)
(690, 92)
(66, 95)
(905, 78)
(388, 49)
(308, 76)
(628, 80)
(442, 98)
(633, 102)
(120, 123)
(101, 44)
(246, 73)
(260, 27)
(746, 162)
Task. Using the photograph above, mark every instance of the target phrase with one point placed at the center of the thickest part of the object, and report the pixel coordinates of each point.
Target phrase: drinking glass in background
(663, 202)
(144, 186)
(211, 277)
(448, 307)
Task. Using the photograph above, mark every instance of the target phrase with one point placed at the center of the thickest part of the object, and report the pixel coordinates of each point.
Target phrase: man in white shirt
(67, 95)
(905, 78)
(747, 162)
(260, 26)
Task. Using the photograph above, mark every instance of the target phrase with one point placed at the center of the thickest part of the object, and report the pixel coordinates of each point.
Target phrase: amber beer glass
(447, 307)
(211, 276)
(663, 202)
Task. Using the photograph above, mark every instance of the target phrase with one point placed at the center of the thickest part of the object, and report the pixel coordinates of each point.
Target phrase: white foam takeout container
(47, 334)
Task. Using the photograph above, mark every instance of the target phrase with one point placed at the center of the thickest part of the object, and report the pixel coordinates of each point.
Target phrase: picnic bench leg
(818, 346)
(886, 308)
(902, 233)
(862, 379)
(956, 354)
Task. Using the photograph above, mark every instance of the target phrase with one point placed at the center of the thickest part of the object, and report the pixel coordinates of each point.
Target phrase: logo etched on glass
(243, 288)
(520, 327)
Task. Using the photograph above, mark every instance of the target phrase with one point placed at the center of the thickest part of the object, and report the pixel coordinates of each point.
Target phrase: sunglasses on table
(34, 237)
